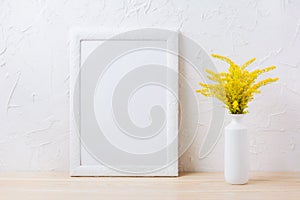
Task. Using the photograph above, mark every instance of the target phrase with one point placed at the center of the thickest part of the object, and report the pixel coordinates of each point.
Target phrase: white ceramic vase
(236, 151)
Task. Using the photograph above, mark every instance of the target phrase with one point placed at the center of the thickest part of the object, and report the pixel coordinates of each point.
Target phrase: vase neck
(237, 118)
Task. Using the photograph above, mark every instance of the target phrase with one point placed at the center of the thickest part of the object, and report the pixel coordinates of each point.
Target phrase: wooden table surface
(263, 185)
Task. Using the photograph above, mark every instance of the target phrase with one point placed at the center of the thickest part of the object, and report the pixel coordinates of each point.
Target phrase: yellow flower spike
(224, 58)
(236, 87)
(235, 105)
(248, 63)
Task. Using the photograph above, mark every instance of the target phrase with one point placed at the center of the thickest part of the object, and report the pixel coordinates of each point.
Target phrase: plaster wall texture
(34, 73)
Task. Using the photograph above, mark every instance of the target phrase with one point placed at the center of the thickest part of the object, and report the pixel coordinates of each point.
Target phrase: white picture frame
(171, 40)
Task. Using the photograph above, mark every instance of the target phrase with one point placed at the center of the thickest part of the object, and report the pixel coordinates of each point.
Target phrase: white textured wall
(34, 72)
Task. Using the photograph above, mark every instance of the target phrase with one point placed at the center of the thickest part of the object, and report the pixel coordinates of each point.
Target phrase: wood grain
(187, 186)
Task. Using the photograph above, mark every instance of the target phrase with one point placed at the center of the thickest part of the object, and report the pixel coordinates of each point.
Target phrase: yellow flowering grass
(236, 87)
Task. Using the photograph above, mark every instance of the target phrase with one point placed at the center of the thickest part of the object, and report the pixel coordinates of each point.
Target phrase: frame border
(77, 35)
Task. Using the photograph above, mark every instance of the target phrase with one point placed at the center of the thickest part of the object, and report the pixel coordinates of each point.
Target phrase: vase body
(236, 151)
